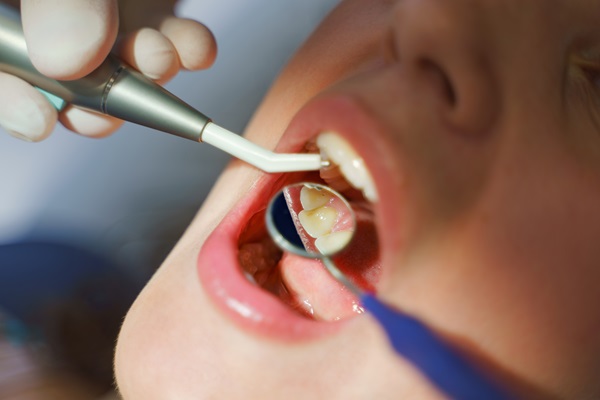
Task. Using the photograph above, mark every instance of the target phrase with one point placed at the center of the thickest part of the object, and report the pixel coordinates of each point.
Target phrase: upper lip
(218, 266)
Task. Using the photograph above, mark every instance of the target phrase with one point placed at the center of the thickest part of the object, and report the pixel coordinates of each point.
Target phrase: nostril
(448, 92)
(463, 89)
(446, 52)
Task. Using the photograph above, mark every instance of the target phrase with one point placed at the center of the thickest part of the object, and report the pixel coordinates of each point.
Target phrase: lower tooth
(307, 307)
(250, 278)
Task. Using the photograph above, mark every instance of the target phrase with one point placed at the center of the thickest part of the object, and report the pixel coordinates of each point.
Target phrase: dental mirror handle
(447, 369)
(116, 89)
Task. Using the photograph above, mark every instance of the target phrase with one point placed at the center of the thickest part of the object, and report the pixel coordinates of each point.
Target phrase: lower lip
(251, 308)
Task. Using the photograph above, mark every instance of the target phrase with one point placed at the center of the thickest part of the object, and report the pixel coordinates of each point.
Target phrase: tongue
(315, 292)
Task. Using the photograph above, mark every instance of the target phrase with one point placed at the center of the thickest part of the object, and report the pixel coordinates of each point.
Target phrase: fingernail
(26, 124)
(19, 136)
(154, 54)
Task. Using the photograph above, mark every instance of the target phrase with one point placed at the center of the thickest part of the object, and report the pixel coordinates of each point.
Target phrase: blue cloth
(35, 275)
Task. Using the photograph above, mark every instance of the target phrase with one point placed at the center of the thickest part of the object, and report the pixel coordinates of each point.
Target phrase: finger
(24, 112)
(194, 42)
(68, 39)
(151, 53)
(88, 123)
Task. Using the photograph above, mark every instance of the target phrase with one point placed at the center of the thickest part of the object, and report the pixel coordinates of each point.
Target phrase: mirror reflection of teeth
(312, 198)
(333, 242)
(316, 218)
(319, 221)
(337, 150)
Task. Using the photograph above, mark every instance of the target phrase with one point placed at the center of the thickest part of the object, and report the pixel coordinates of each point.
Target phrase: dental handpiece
(118, 90)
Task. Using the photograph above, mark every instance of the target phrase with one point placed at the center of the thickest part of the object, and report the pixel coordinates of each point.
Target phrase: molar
(319, 221)
(351, 165)
(319, 218)
(312, 198)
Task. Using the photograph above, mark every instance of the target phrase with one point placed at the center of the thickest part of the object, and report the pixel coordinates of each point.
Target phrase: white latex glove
(67, 39)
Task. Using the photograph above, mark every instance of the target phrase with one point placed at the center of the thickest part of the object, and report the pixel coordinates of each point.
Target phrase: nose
(445, 46)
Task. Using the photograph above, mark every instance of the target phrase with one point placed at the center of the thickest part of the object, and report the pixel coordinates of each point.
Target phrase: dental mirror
(310, 220)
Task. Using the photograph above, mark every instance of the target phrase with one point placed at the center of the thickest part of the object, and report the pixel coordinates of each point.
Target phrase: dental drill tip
(258, 156)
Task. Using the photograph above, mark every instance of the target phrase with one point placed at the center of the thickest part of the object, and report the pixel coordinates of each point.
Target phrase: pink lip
(220, 273)
(249, 306)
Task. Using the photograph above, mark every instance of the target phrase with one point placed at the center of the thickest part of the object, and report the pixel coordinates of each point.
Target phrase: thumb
(68, 39)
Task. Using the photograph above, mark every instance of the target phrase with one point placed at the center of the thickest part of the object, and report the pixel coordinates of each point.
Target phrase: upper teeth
(312, 198)
(333, 242)
(319, 217)
(319, 221)
(334, 148)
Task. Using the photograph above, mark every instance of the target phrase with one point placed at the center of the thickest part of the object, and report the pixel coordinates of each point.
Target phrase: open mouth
(279, 293)
(301, 283)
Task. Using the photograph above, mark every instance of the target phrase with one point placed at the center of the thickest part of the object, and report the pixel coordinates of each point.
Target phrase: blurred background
(84, 223)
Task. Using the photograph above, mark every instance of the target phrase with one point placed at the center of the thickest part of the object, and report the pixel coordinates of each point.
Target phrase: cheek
(547, 224)
(160, 346)
(536, 248)
(516, 270)
(533, 248)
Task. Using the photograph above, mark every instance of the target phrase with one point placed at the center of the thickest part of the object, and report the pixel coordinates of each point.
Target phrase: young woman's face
(479, 123)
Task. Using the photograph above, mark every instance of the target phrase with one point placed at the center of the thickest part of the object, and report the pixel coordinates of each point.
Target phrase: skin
(489, 111)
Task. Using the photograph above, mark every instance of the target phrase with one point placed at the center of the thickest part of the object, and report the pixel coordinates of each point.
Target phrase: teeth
(334, 178)
(318, 222)
(350, 164)
(333, 242)
(250, 278)
(312, 198)
(318, 219)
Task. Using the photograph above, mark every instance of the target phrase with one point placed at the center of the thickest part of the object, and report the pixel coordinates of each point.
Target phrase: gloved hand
(67, 39)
